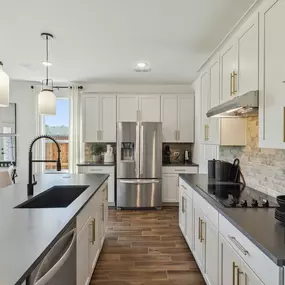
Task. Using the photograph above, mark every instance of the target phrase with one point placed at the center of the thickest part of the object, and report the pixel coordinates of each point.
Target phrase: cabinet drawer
(179, 169)
(210, 212)
(263, 267)
(96, 169)
(186, 188)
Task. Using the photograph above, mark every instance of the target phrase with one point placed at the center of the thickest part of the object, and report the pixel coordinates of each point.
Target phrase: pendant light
(4, 87)
(47, 99)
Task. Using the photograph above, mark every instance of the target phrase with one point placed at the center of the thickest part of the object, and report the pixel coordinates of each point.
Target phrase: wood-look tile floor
(145, 248)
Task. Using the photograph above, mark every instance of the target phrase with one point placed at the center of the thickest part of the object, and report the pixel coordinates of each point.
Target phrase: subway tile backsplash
(263, 169)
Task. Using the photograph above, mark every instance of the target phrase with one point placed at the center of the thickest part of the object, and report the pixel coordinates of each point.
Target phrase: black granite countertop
(92, 163)
(27, 234)
(258, 225)
(179, 164)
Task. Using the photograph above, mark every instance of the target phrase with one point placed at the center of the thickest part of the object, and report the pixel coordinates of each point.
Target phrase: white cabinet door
(82, 255)
(127, 108)
(211, 247)
(214, 128)
(91, 118)
(186, 107)
(198, 243)
(228, 58)
(272, 75)
(248, 276)
(205, 98)
(170, 188)
(247, 45)
(108, 118)
(189, 222)
(229, 263)
(182, 212)
(207, 152)
(149, 108)
(169, 116)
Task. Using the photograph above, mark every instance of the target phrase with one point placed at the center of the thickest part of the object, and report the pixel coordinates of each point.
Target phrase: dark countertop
(258, 225)
(27, 234)
(92, 163)
(179, 164)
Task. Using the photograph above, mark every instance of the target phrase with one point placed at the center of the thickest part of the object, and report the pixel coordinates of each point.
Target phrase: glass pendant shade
(4, 88)
(47, 102)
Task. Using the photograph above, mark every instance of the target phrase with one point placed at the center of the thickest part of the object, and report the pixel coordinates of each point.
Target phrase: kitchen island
(26, 235)
(230, 244)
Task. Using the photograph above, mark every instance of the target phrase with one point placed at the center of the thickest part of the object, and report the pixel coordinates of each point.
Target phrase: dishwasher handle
(42, 280)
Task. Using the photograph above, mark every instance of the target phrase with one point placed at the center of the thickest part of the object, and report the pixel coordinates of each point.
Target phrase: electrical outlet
(176, 153)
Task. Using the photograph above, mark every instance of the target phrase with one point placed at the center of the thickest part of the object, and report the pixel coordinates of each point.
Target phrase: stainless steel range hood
(245, 105)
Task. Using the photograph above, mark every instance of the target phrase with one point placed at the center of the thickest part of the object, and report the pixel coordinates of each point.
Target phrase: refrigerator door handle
(141, 149)
(144, 181)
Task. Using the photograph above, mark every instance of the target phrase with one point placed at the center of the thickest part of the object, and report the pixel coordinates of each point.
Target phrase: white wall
(26, 123)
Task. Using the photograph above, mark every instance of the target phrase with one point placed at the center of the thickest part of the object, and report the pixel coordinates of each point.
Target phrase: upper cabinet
(99, 118)
(239, 62)
(133, 108)
(272, 75)
(127, 108)
(218, 131)
(177, 116)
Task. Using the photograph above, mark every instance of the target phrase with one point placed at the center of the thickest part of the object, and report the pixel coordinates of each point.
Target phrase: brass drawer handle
(239, 272)
(234, 82)
(202, 223)
(234, 272)
(94, 231)
(199, 230)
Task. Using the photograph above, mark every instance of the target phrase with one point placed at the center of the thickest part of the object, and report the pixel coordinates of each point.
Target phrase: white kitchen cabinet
(127, 108)
(228, 61)
(182, 210)
(229, 262)
(169, 107)
(248, 277)
(133, 108)
(82, 254)
(247, 58)
(91, 118)
(169, 188)
(149, 108)
(170, 183)
(99, 118)
(177, 116)
(102, 170)
(198, 235)
(205, 99)
(185, 122)
(211, 248)
(108, 118)
(189, 233)
(91, 230)
(272, 75)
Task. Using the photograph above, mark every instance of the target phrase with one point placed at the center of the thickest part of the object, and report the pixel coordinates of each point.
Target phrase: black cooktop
(235, 195)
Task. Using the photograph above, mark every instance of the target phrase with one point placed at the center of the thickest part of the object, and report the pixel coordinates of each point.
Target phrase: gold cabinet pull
(199, 230)
(231, 84)
(207, 138)
(234, 82)
(205, 132)
(102, 212)
(239, 272)
(94, 231)
(234, 272)
(202, 223)
(183, 209)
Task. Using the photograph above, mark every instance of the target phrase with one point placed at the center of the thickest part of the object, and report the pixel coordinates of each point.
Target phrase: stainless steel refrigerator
(139, 164)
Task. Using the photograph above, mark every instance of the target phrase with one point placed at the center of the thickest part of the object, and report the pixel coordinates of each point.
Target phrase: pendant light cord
(47, 60)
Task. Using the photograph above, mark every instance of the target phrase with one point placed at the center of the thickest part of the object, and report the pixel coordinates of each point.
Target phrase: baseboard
(170, 204)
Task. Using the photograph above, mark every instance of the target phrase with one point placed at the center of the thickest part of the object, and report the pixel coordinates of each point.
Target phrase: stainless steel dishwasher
(58, 267)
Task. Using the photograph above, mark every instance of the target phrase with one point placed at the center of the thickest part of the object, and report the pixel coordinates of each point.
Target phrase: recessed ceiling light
(142, 67)
(47, 63)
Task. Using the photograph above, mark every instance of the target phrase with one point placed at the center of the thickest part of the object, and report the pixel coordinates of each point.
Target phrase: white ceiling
(101, 40)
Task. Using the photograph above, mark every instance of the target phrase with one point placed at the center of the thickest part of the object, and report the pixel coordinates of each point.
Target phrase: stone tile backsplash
(263, 169)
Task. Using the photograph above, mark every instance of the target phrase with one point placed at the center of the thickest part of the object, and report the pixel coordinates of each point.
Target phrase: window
(58, 127)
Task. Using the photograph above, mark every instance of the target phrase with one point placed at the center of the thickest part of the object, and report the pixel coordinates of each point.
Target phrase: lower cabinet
(233, 269)
(198, 239)
(91, 225)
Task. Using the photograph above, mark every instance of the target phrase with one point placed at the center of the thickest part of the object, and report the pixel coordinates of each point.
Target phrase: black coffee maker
(166, 155)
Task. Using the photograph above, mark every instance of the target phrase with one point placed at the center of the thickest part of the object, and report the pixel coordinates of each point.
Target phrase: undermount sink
(55, 197)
